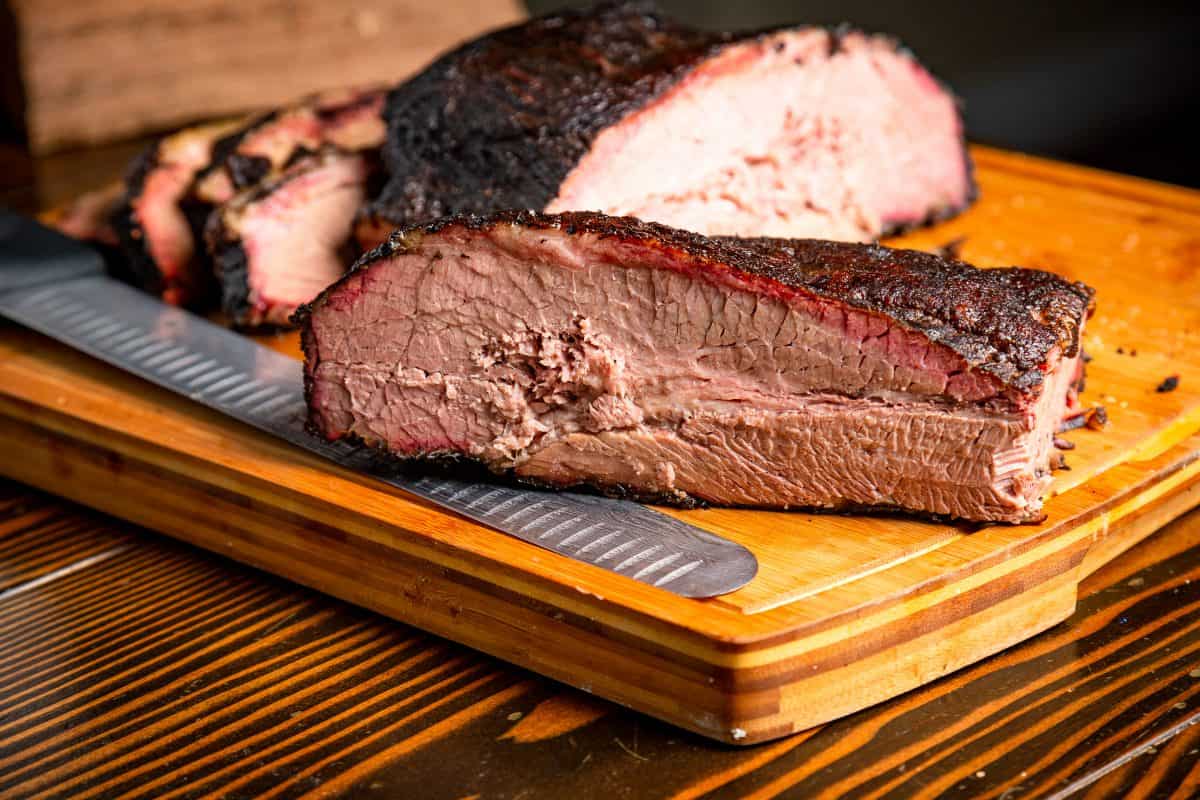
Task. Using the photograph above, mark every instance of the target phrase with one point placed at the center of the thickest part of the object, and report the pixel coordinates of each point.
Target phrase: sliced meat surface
(582, 349)
(159, 225)
(791, 132)
(173, 188)
(349, 119)
(276, 245)
(90, 216)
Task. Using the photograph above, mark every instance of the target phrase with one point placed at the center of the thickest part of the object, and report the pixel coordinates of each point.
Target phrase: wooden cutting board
(845, 612)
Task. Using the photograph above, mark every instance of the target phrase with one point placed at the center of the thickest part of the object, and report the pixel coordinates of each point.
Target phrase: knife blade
(57, 286)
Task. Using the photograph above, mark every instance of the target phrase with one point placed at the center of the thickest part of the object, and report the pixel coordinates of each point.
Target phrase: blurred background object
(1112, 85)
(79, 73)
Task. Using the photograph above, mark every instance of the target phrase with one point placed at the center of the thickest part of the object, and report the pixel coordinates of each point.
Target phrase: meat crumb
(1169, 384)
(952, 249)
(1063, 444)
(1093, 418)
(1120, 350)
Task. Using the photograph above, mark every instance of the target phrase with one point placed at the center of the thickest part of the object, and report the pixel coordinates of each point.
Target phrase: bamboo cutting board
(845, 612)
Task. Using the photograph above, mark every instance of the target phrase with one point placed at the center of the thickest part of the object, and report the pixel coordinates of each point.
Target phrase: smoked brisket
(582, 349)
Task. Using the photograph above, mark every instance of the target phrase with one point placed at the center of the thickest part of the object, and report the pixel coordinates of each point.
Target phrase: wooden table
(134, 665)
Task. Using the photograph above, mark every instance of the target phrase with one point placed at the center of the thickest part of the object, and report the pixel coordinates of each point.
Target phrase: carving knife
(58, 287)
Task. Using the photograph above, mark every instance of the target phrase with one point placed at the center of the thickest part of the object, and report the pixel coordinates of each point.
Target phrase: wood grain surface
(135, 666)
(846, 611)
(97, 72)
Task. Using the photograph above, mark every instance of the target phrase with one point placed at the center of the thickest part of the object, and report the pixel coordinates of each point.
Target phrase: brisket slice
(581, 349)
(158, 222)
(789, 132)
(174, 186)
(277, 244)
(89, 217)
(349, 119)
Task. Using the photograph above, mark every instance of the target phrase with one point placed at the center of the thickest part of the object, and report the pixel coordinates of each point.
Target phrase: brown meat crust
(1006, 322)
(501, 121)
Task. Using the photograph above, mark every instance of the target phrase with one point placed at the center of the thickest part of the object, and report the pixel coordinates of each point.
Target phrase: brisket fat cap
(617, 109)
(264, 269)
(583, 349)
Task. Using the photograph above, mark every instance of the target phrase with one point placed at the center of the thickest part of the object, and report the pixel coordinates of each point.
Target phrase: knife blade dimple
(616, 551)
(579, 534)
(74, 318)
(520, 512)
(483, 499)
(678, 572)
(597, 543)
(128, 345)
(638, 557)
(654, 567)
(271, 405)
(263, 388)
(109, 343)
(562, 526)
(163, 357)
(453, 498)
(504, 505)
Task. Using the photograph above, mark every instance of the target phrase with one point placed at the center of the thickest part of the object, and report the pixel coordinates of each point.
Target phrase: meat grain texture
(799, 131)
(277, 244)
(640, 359)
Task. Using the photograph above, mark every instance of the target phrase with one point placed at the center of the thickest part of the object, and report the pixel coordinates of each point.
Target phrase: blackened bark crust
(499, 122)
(137, 267)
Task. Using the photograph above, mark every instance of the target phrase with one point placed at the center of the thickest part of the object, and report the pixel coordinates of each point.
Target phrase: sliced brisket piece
(90, 216)
(790, 132)
(174, 186)
(277, 244)
(584, 349)
(349, 119)
(158, 223)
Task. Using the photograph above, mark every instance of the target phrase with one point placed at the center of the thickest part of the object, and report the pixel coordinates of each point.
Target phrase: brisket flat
(265, 268)
(581, 349)
(789, 132)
